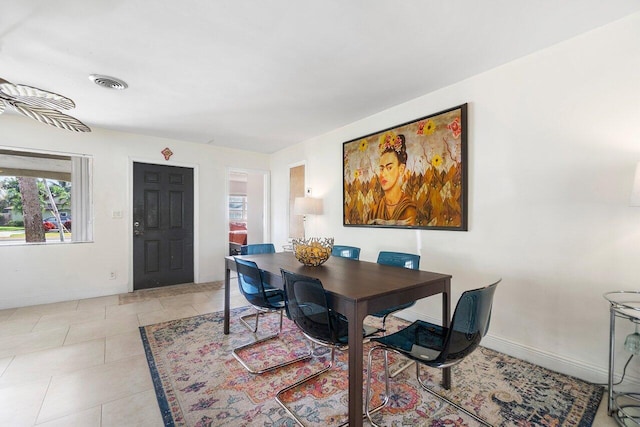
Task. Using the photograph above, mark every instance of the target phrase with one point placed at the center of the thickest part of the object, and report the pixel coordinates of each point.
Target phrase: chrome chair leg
(300, 382)
(444, 399)
(368, 411)
(407, 363)
(257, 314)
(254, 328)
(236, 353)
(368, 396)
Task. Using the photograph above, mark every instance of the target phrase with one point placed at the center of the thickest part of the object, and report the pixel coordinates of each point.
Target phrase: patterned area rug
(199, 383)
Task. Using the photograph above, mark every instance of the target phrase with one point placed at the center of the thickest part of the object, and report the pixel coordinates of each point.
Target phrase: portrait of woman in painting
(395, 207)
(413, 175)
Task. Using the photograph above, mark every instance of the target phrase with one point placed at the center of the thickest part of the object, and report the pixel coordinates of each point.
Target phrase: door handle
(136, 229)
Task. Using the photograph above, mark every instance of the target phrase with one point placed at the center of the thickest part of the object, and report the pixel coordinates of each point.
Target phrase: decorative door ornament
(167, 153)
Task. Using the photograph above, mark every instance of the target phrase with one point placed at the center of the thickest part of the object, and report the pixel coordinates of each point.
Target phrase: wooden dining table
(355, 289)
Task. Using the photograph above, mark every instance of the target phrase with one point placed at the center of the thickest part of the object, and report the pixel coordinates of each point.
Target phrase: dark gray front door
(162, 225)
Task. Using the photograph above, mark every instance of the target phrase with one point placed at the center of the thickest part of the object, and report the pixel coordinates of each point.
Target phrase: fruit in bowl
(313, 251)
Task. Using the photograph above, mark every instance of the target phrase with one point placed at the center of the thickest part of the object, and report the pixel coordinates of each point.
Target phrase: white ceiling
(264, 74)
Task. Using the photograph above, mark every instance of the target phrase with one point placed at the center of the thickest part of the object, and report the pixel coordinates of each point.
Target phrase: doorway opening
(248, 208)
(297, 176)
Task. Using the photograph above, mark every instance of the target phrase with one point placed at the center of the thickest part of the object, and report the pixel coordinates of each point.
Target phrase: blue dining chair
(343, 251)
(396, 259)
(257, 248)
(264, 300)
(404, 260)
(436, 346)
(307, 305)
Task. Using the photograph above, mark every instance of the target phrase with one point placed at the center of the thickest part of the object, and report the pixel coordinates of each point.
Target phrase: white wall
(255, 207)
(553, 141)
(36, 274)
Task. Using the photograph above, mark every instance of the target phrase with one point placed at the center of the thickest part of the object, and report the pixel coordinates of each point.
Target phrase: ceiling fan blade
(50, 117)
(34, 96)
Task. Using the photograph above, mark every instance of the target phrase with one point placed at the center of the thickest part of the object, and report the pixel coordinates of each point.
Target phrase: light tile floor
(81, 363)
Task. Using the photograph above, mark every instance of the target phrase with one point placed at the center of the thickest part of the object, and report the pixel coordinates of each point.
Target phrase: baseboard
(554, 362)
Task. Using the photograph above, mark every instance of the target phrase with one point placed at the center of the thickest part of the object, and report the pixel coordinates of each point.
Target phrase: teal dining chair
(344, 251)
(264, 300)
(404, 260)
(396, 259)
(257, 248)
(436, 346)
(307, 305)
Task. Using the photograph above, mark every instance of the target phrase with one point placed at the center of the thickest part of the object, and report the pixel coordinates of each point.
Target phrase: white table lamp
(307, 206)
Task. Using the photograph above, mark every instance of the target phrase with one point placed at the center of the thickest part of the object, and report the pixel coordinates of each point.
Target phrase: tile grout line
(44, 397)
(13, 358)
(101, 404)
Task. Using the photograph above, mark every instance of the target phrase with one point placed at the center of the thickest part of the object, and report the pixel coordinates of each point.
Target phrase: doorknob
(136, 229)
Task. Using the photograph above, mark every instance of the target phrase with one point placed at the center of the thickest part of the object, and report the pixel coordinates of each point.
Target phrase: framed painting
(413, 175)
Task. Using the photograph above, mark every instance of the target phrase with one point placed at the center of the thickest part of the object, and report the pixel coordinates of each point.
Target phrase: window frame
(80, 173)
(242, 210)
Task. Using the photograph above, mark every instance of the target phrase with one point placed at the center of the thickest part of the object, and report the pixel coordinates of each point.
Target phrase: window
(47, 191)
(238, 208)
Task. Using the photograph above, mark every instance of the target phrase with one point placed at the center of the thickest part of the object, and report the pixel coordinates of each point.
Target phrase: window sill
(4, 242)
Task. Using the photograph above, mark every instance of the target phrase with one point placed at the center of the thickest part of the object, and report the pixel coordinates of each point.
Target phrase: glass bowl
(313, 251)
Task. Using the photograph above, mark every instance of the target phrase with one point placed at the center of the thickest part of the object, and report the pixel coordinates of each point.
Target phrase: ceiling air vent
(108, 82)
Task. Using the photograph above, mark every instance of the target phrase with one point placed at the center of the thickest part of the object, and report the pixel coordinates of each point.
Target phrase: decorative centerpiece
(313, 251)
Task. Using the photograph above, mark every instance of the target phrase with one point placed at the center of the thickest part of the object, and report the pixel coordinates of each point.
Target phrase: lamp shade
(307, 206)
(635, 191)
